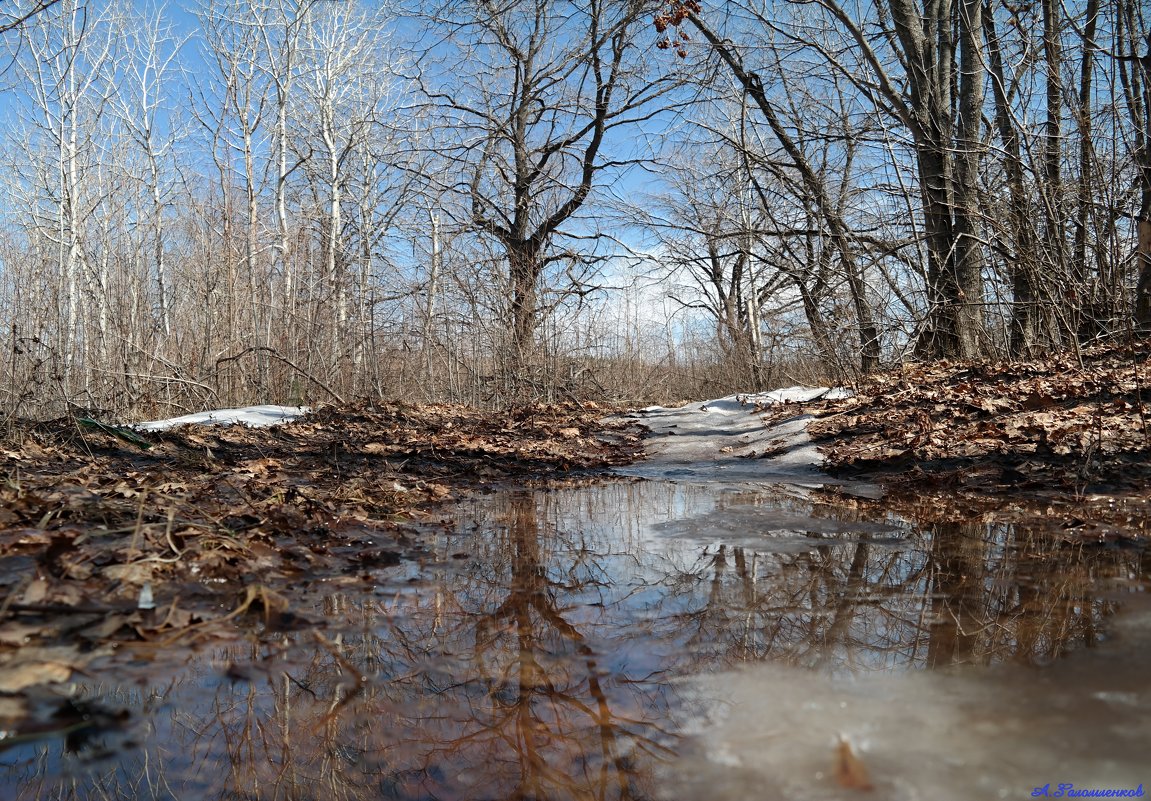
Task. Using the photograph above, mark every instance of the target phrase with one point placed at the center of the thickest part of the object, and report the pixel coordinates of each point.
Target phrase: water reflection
(536, 654)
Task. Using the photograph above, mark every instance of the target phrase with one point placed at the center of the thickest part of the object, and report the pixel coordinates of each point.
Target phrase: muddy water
(646, 640)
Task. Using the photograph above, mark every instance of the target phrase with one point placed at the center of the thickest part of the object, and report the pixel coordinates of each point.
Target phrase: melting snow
(726, 438)
(252, 416)
(770, 731)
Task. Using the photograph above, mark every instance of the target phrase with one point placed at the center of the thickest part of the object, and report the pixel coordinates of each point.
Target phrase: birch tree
(67, 75)
(1133, 36)
(144, 110)
(14, 19)
(231, 108)
(345, 92)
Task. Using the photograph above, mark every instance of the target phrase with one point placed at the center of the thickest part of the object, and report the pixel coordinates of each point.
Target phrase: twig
(272, 352)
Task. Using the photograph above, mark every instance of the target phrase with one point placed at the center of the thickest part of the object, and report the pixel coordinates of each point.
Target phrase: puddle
(638, 640)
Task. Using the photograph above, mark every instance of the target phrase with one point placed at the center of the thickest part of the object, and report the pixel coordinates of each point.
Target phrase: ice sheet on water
(770, 732)
(252, 416)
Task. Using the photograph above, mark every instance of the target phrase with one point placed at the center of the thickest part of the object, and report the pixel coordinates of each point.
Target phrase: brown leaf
(36, 592)
(14, 632)
(12, 711)
(14, 678)
(30, 666)
(1037, 400)
(850, 772)
(106, 628)
(132, 573)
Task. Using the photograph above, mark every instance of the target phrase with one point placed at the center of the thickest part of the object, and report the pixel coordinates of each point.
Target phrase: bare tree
(148, 78)
(1135, 75)
(12, 20)
(279, 39)
(537, 122)
(231, 108)
(344, 96)
(920, 42)
(709, 247)
(67, 76)
(787, 159)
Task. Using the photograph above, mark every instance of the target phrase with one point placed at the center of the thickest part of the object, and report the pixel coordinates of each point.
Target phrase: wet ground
(640, 639)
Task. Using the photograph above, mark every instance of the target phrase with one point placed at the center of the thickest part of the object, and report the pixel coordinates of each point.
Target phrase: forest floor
(108, 536)
(170, 537)
(1066, 437)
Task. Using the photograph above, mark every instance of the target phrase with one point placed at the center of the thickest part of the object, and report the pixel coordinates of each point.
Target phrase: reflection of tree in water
(497, 684)
(538, 668)
(1014, 593)
(548, 692)
(950, 593)
(526, 702)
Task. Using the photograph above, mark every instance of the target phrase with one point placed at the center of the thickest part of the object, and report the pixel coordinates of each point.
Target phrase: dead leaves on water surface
(214, 523)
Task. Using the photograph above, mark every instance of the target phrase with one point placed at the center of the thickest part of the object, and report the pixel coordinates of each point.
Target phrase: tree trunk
(1023, 264)
(816, 323)
(1052, 190)
(1089, 313)
(1141, 116)
(940, 337)
(869, 350)
(948, 160)
(969, 256)
(524, 273)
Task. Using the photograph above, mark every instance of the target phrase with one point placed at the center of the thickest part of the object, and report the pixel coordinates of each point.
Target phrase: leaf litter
(1067, 438)
(178, 536)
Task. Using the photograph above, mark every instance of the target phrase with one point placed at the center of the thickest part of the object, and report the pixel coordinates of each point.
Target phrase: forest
(213, 202)
(515, 295)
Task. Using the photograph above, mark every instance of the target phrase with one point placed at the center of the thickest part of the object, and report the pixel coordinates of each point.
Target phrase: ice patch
(770, 731)
(251, 416)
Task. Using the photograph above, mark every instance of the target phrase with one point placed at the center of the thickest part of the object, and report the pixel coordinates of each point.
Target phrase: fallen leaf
(12, 711)
(106, 628)
(132, 573)
(24, 674)
(14, 632)
(850, 772)
(35, 592)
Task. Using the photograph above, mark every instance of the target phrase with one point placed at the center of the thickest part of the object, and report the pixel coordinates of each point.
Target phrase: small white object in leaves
(146, 600)
(251, 416)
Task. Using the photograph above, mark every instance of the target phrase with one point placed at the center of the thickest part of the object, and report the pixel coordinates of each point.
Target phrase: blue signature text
(1068, 790)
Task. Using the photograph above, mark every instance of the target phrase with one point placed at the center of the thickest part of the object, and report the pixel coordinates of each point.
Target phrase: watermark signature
(1068, 790)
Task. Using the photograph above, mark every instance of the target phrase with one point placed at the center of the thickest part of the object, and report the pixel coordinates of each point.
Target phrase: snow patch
(251, 416)
(744, 402)
(726, 438)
